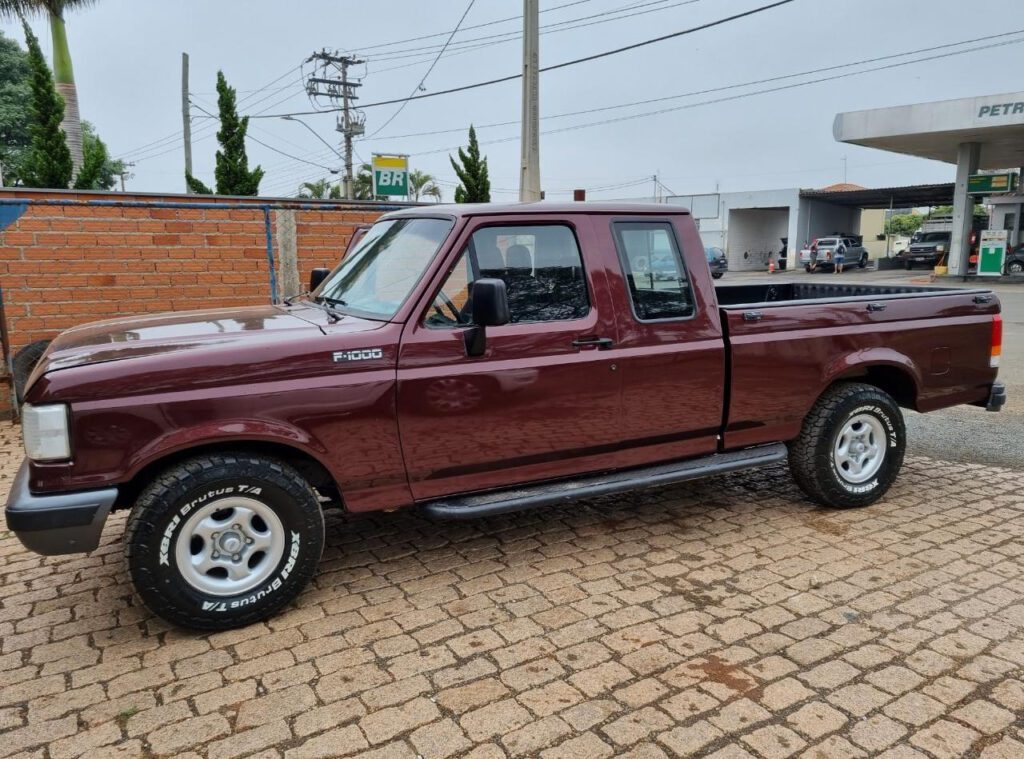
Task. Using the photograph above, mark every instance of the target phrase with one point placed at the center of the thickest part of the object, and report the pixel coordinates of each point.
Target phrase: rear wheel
(851, 447)
(1015, 267)
(908, 264)
(224, 540)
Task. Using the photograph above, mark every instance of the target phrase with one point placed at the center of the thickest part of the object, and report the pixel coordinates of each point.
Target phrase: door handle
(602, 343)
(752, 316)
(876, 307)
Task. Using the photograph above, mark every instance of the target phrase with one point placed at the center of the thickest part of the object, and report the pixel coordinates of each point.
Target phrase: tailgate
(782, 356)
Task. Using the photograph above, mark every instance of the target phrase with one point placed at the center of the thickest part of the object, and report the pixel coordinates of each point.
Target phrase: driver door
(544, 399)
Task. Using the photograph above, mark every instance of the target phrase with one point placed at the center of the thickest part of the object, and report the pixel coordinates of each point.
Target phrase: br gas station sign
(390, 175)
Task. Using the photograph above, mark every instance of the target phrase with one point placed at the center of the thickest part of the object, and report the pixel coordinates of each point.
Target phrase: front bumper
(57, 523)
(997, 397)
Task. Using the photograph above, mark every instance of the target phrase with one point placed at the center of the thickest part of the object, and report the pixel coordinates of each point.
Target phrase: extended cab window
(658, 285)
(539, 264)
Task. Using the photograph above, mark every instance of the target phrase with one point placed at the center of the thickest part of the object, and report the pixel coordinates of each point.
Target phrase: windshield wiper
(333, 315)
(332, 301)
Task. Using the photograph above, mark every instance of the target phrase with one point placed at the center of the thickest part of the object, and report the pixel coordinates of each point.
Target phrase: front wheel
(1015, 267)
(716, 275)
(863, 263)
(909, 265)
(224, 540)
(851, 446)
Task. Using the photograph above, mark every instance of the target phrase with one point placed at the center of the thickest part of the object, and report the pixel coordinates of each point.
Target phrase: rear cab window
(540, 265)
(656, 277)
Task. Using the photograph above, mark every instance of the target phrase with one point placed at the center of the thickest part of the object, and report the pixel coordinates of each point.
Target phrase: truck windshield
(934, 237)
(377, 276)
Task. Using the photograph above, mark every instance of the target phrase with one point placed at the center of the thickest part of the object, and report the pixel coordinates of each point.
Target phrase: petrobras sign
(390, 175)
(994, 110)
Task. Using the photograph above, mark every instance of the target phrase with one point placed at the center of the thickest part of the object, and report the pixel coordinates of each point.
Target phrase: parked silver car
(825, 249)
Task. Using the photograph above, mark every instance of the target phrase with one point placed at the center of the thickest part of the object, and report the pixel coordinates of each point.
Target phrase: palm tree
(321, 188)
(63, 73)
(422, 183)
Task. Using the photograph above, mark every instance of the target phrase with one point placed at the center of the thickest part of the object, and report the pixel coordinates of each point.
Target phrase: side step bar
(563, 491)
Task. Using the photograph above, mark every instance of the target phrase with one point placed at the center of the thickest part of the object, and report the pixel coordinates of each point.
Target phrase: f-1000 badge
(364, 354)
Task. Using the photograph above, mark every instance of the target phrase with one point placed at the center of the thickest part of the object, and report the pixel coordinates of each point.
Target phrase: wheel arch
(892, 373)
(310, 466)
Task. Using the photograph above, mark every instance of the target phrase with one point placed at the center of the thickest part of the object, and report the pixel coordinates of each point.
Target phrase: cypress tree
(48, 163)
(232, 172)
(475, 186)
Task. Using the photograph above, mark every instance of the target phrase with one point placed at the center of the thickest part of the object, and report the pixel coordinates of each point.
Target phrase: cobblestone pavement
(725, 618)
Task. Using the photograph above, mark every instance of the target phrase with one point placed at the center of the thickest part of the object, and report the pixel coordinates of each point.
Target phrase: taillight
(997, 341)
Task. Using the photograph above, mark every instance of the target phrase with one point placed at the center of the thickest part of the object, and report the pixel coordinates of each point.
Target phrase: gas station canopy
(936, 130)
(976, 134)
(886, 197)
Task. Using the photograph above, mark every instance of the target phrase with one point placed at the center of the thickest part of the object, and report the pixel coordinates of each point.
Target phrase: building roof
(935, 130)
(842, 187)
(456, 210)
(885, 197)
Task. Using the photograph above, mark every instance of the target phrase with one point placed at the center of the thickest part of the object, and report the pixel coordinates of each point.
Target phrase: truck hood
(138, 336)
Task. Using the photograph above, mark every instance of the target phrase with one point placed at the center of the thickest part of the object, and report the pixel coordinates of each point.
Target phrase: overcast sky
(127, 57)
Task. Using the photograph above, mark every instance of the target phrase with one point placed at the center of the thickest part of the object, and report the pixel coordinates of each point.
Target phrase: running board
(563, 491)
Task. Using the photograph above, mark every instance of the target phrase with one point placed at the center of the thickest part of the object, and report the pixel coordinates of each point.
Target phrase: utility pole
(339, 89)
(186, 121)
(529, 173)
(124, 173)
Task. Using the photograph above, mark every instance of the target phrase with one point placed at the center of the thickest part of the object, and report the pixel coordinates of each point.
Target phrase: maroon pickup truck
(469, 361)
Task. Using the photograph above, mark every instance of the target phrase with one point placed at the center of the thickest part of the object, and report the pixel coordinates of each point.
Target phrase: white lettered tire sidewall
(892, 441)
(163, 511)
(811, 458)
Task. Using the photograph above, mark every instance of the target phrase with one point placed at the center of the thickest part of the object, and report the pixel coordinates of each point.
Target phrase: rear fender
(859, 364)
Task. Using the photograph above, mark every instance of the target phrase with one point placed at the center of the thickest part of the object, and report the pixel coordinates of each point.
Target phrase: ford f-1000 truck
(471, 360)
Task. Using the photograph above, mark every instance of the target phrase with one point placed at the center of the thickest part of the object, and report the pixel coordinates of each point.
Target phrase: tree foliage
(979, 210)
(362, 184)
(48, 159)
(904, 224)
(474, 184)
(232, 171)
(15, 92)
(422, 184)
(321, 188)
(16, 120)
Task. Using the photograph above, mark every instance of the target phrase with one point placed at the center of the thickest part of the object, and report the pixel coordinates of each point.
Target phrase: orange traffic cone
(771, 265)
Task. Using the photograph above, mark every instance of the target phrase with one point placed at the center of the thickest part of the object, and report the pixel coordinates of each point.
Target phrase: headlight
(940, 248)
(45, 429)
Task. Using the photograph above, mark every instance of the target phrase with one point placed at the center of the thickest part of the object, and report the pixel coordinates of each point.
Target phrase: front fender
(222, 432)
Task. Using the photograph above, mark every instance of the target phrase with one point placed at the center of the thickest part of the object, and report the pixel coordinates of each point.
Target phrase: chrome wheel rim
(859, 449)
(230, 546)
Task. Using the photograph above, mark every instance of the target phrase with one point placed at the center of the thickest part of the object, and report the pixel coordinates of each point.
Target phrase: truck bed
(927, 346)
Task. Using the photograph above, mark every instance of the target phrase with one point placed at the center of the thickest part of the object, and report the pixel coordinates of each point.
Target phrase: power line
(933, 48)
(562, 65)
(713, 89)
(177, 135)
(736, 97)
(379, 45)
(419, 86)
(627, 11)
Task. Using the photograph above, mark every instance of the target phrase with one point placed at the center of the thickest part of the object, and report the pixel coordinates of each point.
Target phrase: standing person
(838, 257)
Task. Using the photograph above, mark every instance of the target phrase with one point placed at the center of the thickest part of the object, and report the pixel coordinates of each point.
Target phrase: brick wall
(69, 259)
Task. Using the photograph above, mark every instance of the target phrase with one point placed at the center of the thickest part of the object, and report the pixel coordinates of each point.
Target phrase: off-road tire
(161, 512)
(811, 454)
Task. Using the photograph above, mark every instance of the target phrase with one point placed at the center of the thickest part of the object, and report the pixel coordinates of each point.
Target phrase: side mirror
(316, 277)
(490, 309)
(490, 303)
